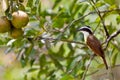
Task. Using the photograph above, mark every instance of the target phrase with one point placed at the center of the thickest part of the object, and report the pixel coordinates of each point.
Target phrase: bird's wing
(95, 45)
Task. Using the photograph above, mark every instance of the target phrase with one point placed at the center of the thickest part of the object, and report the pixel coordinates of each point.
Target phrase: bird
(93, 43)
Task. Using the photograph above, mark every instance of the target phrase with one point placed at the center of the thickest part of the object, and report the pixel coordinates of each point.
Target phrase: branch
(111, 37)
(93, 12)
(71, 23)
(63, 40)
(84, 75)
(76, 64)
(98, 12)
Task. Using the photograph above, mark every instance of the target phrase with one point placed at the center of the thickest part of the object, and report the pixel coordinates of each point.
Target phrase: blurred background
(51, 49)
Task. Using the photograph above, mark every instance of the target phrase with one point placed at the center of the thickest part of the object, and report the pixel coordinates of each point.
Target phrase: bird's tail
(104, 60)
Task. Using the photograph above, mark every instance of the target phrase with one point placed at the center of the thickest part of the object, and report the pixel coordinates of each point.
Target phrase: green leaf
(58, 22)
(56, 3)
(32, 78)
(67, 77)
(39, 9)
(32, 62)
(72, 6)
(42, 60)
(33, 10)
(56, 61)
(25, 77)
(114, 58)
(111, 28)
(111, 2)
(100, 66)
(61, 51)
(71, 64)
(1, 42)
(31, 32)
(118, 19)
(51, 73)
(78, 7)
(42, 72)
(99, 4)
(37, 2)
(33, 69)
(23, 61)
(29, 50)
(84, 8)
(30, 3)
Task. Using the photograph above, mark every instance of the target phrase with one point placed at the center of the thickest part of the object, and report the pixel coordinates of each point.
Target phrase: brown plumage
(95, 46)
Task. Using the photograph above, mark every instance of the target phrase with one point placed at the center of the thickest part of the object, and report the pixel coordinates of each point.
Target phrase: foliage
(52, 48)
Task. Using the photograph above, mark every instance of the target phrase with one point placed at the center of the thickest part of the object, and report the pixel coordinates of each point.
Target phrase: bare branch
(71, 23)
(63, 40)
(76, 20)
(84, 75)
(98, 12)
(111, 37)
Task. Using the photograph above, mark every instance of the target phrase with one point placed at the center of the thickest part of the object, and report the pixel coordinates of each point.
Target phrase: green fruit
(16, 33)
(4, 24)
(20, 19)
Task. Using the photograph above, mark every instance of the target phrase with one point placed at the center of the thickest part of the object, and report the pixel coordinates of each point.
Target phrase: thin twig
(69, 25)
(76, 64)
(84, 75)
(105, 11)
(98, 12)
(11, 6)
(96, 27)
(76, 20)
(64, 40)
(111, 37)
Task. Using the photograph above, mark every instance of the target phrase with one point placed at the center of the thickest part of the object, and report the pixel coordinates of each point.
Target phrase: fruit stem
(11, 6)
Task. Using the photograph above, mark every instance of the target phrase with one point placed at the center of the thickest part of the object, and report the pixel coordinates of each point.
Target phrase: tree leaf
(111, 2)
(67, 77)
(32, 69)
(30, 3)
(42, 60)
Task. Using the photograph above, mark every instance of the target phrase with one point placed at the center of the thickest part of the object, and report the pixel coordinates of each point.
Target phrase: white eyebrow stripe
(84, 27)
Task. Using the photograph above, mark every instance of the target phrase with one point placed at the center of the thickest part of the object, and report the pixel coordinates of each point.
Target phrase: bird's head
(86, 30)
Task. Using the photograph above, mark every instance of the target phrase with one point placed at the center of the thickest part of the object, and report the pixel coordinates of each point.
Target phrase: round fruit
(16, 33)
(20, 19)
(4, 24)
